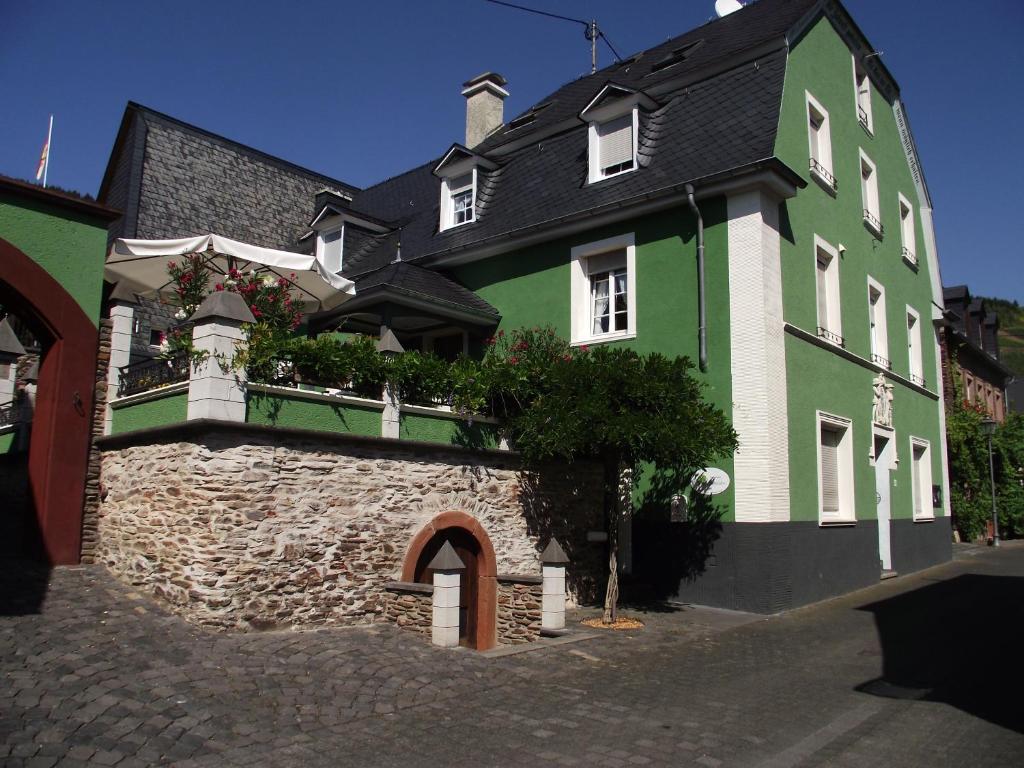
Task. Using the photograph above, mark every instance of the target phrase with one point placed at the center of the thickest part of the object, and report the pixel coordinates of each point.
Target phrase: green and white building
(747, 194)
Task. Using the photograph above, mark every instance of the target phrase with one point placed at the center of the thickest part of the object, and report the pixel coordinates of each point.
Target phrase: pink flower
(218, 287)
(584, 348)
(513, 360)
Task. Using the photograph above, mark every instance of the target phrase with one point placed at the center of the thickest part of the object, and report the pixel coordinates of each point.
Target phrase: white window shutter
(830, 471)
(616, 141)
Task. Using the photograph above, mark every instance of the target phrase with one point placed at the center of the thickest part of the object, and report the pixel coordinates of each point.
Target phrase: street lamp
(988, 426)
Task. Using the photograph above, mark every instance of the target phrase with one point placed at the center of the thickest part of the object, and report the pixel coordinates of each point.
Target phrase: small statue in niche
(882, 407)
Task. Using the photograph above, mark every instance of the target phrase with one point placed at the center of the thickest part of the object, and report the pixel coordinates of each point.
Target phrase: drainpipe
(701, 322)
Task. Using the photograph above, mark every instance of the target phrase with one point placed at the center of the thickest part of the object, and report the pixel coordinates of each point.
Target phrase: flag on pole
(44, 156)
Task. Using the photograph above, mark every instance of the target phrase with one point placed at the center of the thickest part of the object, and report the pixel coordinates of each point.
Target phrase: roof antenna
(590, 30)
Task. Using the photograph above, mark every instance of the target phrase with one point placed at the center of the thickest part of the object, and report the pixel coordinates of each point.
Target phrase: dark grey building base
(772, 567)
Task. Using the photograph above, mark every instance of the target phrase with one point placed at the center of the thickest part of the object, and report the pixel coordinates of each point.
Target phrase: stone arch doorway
(59, 442)
(479, 590)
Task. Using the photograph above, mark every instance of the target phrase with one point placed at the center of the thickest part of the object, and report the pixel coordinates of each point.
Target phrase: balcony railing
(823, 175)
(862, 116)
(150, 374)
(833, 338)
(284, 372)
(919, 380)
(882, 361)
(909, 255)
(9, 415)
(871, 222)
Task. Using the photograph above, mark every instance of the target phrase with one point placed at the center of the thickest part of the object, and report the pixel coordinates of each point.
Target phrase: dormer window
(613, 119)
(329, 248)
(459, 171)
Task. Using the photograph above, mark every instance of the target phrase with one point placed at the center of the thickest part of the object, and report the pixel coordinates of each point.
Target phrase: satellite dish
(725, 7)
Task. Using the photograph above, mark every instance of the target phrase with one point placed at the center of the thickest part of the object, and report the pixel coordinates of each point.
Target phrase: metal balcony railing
(919, 380)
(150, 374)
(831, 337)
(872, 222)
(862, 116)
(882, 361)
(9, 415)
(824, 174)
(909, 255)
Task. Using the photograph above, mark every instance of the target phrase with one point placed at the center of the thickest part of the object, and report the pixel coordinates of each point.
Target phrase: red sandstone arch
(487, 570)
(59, 447)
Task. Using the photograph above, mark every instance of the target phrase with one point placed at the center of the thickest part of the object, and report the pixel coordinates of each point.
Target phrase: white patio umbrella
(144, 263)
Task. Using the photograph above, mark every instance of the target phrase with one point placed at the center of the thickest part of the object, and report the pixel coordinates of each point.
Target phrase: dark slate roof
(410, 279)
(700, 129)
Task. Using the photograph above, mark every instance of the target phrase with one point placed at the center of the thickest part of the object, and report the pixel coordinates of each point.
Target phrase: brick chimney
(485, 96)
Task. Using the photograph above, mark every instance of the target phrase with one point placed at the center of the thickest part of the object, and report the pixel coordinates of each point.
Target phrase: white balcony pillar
(10, 351)
(553, 561)
(447, 568)
(122, 320)
(215, 389)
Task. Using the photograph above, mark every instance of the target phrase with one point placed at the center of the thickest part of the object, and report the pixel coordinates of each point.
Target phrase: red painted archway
(59, 446)
(486, 564)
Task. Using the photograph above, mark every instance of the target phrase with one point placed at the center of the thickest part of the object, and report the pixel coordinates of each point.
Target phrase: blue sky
(364, 90)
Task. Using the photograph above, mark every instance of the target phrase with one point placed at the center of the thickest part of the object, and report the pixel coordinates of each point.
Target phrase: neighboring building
(775, 138)
(970, 354)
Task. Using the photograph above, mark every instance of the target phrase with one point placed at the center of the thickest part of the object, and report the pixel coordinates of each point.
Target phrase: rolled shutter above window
(829, 470)
(616, 141)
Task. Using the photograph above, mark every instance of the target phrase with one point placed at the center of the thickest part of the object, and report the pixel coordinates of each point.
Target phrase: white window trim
(594, 147)
(447, 211)
(827, 179)
(847, 514)
(881, 322)
(580, 303)
(833, 298)
(869, 124)
(924, 479)
(872, 206)
(915, 356)
(890, 434)
(321, 247)
(909, 240)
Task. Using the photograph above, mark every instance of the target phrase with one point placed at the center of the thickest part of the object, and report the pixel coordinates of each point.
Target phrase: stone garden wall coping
(411, 587)
(192, 430)
(149, 394)
(445, 412)
(519, 578)
(321, 397)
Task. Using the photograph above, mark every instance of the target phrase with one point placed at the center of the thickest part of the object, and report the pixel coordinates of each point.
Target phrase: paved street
(918, 671)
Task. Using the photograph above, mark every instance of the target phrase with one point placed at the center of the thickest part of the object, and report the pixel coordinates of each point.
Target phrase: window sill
(837, 523)
(456, 226)
(603, 339)
(872, 225)
(910, 259)
(825, 181)
(925, 519)
(615, 175)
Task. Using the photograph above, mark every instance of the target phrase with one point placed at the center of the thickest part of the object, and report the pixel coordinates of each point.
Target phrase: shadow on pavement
(24, 574)
(956, 642)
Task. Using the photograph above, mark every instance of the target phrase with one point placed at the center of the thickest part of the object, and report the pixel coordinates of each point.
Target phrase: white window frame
(321, 247)
(581, 304)
(922, 483)
(447, 199)
(822, 155)
(847, 513)
(878, 327)
(908, 231)
(862, 97)
(596, 171)
(869, 195)
(833, 305)
(915, 358)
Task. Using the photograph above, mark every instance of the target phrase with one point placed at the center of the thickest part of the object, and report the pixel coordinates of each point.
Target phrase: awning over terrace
(144, 264)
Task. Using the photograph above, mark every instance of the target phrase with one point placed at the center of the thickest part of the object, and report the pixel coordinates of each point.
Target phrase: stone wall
(408, 608)
(259, 528)
(519, 610)
(92, 477)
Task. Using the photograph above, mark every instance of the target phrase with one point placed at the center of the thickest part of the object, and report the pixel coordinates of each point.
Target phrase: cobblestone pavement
(912, 672)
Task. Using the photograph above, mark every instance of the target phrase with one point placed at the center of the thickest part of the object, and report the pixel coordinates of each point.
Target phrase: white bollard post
(122, 318)
(553, 561)
(216, 390)
(447, 581)
(10, 351)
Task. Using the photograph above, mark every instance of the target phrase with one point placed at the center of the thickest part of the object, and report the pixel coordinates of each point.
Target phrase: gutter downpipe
(701, 316)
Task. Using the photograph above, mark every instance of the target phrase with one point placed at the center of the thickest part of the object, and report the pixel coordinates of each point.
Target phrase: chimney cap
(488, 81)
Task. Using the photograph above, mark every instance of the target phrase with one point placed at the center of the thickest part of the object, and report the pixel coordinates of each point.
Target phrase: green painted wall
(171, 409)
(299, 413)
(7, 442)
(70, 246)
(438, 429)
(532, 287)
(821, 63)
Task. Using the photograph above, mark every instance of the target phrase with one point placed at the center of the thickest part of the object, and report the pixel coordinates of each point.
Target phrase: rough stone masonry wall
(91, 504)
(519, 612)
(409, 610)
(250, 531)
